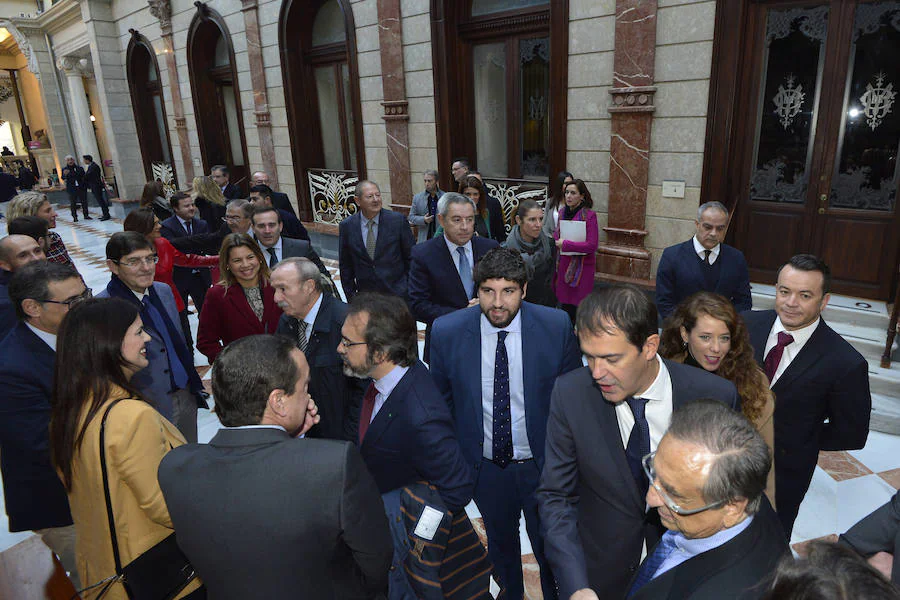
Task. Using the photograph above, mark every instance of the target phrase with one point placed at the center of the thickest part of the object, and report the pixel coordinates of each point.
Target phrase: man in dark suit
(261, 195)
(222, 177)
(703, 263)
(375, 246)
(309, 522)
(440, 275)
(35, 498)
(816, 376)
(8, 184)
(16, 251)
(279, 199)
(313, 320)
(877, 538)
(73, 175)
(502, 424)
(93, 181)
(405, 428)
(190, 282)
(267, 229)
(728, 541)
(603, 419)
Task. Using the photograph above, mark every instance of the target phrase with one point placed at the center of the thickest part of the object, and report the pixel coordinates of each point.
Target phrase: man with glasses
(16, 251)
(42, 294)
(604, 419)
(236, 220)
(707, 480)
(170, 379)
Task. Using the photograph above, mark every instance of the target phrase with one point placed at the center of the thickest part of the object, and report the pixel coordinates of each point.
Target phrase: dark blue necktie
(502, 446)
(651, 565)
(638, 443)
(179, 374)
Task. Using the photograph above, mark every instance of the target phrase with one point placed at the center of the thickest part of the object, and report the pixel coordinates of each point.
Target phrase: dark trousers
(186, 328)
(501, 495)
(194, 286)
(75, 196)
(100, 195)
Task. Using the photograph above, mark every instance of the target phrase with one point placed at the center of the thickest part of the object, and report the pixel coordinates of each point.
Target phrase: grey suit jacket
(280, 517)
(417, 213)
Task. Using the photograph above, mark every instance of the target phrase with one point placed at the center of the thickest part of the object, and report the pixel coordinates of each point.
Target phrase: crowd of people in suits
(657, 449)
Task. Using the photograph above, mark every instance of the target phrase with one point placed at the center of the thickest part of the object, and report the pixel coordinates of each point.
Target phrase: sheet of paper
(428, 523)
(573, 231)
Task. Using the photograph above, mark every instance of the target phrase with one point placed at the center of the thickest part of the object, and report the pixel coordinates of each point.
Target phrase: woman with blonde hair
(706, 332)
(210, 201)
(36, 204)
(242, 303)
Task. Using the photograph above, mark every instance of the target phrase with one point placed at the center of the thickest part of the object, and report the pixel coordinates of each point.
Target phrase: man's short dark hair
(33, 281)
(391, 329)
(809, 262)
(262, 189)
(176, 198)
(221, 168)
(88, 157)
(246, 372)
(124, 243)
(260, 209)
(462, 160)
(501, 263)
(623, 307)
(32, 226)
(741, 460)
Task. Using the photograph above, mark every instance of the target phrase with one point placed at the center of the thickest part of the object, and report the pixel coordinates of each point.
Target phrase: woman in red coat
(145, 222)
(243, 303)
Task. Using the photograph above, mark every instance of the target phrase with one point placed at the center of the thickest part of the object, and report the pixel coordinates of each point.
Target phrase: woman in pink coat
(574, 277)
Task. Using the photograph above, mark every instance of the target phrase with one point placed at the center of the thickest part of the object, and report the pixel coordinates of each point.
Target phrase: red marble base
(626, 263)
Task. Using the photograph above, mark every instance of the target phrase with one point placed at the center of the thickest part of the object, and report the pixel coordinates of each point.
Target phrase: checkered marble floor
(846, 486)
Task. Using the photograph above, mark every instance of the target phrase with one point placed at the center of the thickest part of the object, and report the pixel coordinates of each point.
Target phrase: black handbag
(162, 571)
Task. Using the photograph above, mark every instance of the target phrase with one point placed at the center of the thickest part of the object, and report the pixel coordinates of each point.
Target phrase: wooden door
(819, 136)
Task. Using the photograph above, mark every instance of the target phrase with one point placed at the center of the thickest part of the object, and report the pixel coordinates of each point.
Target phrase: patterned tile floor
(846, 486)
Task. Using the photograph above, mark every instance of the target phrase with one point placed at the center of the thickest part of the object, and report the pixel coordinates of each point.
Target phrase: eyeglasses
(133, 263)
(85, 295)
(647, 463)
(348, 344)
(231, 219)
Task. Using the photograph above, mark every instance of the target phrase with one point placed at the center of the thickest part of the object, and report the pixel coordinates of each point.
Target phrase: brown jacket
(137, 437)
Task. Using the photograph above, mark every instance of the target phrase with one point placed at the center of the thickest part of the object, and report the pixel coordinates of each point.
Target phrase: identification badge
(428, 523)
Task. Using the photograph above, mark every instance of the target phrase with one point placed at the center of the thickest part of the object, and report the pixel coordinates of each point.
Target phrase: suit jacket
(338, 396)
(171, 229)
(592, 514)
(227, 316)
(680, 274)
(310, 525)
(92, 177)
(411, 439)
(35, 497)
(291, 248)
(417, 213)
(282, 202)
(8, 187)
(828, 379)
(292, 227)
(74, 178)
(137, 438)
(8, 317)
(549, 349)
(878, 532)
(435, 288)
(232, 192)
(738, 570)
(388, 271)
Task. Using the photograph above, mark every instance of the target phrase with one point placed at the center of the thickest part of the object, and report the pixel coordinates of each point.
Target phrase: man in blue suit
(35, 498)
(496, 365)
(440, 276)
(703, 263)
(375, 246)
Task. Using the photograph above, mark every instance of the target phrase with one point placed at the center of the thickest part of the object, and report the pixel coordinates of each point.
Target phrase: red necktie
(774, 357)
(368, 406)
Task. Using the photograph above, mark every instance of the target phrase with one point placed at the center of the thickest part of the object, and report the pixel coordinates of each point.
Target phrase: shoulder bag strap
(109, 513)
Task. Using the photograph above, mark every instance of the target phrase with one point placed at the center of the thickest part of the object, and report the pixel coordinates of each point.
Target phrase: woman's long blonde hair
(206, 188)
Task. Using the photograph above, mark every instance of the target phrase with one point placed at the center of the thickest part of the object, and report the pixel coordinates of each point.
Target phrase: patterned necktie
(273, 258)
(465, 272)
(368, 407)
(502, 446)
(370, 240)
(774, 358)
(638, 443)
(651, 565)
(189, 229)
(706, 255)
(301, 335)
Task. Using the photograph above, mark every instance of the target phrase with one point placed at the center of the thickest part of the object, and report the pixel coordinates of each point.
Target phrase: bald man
(279, 200)
(16, 251)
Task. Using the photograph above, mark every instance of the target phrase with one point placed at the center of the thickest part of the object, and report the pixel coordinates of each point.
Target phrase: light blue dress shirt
(686, 548)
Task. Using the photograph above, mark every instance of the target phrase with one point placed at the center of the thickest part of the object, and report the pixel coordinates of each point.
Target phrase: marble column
(75, 68)
(260, 95)
(623, 256)
(162, 10)
(396, 107)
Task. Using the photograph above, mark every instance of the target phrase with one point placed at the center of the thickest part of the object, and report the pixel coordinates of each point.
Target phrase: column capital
(75, 65)
(162, 10)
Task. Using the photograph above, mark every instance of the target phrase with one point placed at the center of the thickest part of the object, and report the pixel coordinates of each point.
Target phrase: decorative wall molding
(632, 99)
(71, 65)
(396, 110)
(536, 20)
(162, 10)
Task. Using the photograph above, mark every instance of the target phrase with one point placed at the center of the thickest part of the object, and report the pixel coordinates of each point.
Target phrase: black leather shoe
(75, 218)
(105, 218)
(88, 218)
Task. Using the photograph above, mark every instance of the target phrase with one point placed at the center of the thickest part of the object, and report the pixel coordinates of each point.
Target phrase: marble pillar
(396, 106)
(75, 68)
(623, 256)
(260, 95)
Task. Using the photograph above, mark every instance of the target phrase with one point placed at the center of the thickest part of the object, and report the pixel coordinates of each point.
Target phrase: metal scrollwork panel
(165, 174)
(332, 195)
(510, 193)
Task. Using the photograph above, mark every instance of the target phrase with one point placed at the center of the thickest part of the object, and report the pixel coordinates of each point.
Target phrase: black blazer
(292, 227)
(35, 497)
(680, 274)
(282, 202)
(878, 532)
(338, 396)
(592, 514)
(92, 176)
(172, 229)
(740, 569)
(828, 379)
(388, 271)
(232, 192)
(305, 521)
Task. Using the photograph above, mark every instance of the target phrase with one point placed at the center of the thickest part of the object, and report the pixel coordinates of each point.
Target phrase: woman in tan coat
(706, 332)
(99, 348)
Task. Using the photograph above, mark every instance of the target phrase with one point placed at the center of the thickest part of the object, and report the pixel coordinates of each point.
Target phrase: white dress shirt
(265, 250)
(513, 343)
(454, 253)
(257, 427)
(385, 386)
(700, 250)
(658, 409)
(801, 336)
(185, 225)
(365, 226)
(47, 338)
(310, 317)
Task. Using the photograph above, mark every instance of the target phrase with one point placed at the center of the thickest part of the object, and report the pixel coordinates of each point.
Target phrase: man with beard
(519, 349)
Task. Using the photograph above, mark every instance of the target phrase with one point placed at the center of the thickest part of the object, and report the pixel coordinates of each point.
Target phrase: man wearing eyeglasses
(42, 293)
(170, 380)
(603, 420)
(707, 479)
